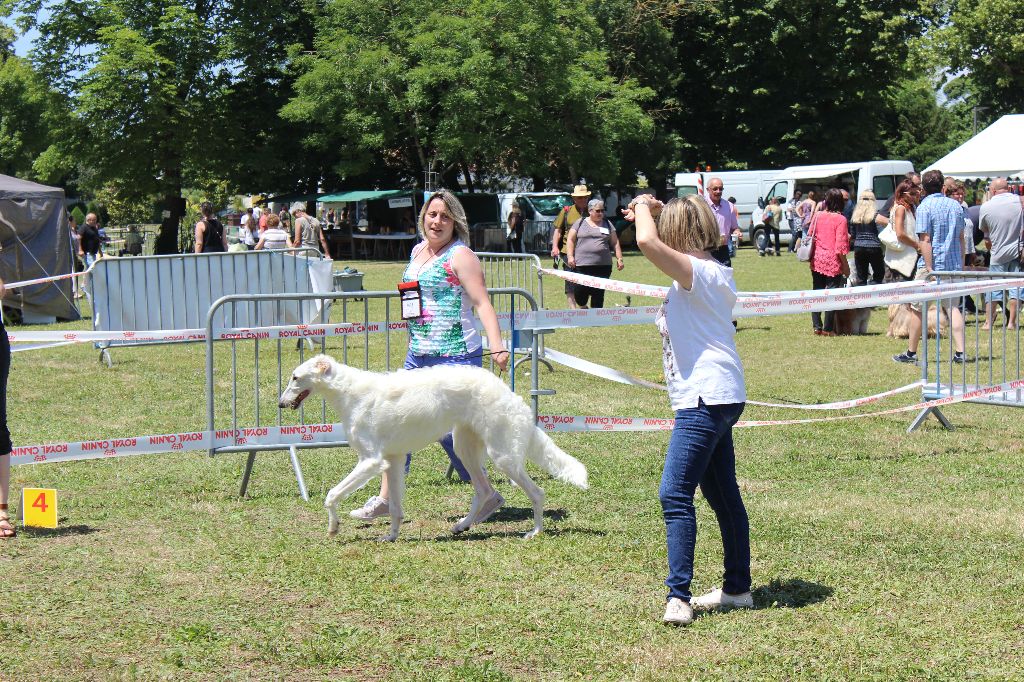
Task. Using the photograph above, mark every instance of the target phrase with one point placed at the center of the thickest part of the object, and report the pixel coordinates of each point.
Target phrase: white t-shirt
(275, 238)
(699, 341)
(245, 233)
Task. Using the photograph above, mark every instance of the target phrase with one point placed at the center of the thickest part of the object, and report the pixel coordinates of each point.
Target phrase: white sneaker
(717, 599)
(678, 612)
(374, 508)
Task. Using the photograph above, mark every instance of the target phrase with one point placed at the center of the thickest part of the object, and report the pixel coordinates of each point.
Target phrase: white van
(746, 186)
(879, 176)
(539, 212)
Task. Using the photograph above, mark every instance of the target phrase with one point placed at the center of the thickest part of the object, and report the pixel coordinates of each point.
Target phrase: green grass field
(876, 554)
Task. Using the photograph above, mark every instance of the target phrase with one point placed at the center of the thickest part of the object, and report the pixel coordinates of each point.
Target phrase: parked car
(539, 212)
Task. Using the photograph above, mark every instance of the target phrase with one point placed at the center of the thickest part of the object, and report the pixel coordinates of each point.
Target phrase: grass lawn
(876, 554)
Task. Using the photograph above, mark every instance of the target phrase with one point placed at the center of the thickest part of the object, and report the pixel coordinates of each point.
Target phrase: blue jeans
(475, 359)
(700, 452)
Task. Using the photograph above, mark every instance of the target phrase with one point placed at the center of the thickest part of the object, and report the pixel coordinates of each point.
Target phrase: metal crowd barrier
(150, 293)
(246, 376)
(522, 271)
(992, 356)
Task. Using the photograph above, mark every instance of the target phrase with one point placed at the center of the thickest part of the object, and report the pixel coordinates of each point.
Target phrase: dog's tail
(555, 461)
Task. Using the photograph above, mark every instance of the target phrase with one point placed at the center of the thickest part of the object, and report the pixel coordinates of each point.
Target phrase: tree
(982, 43)
(918, 127)
(29, 112)
(158, 90)
(774, 82)
(447, 86)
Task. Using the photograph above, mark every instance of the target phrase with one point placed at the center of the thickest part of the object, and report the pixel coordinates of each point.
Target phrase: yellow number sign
(39, 507)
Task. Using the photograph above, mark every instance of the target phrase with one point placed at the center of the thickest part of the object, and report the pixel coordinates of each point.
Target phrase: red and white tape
(812, 300)
(319, 433)
(573, 424)
(176, 442)
(44, 280)
(611, 374)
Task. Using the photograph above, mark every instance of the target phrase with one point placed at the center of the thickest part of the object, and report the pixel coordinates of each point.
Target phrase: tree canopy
(504, 85)
(140, 99)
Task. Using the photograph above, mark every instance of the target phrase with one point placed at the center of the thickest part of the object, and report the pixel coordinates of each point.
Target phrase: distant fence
(992, 356)
(175, 292)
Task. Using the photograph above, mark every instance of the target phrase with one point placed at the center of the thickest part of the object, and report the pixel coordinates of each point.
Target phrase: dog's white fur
(388, 415)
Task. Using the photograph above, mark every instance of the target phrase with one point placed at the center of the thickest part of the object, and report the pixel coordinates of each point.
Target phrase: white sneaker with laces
(717, 599)
(374, 508)
(678, 612)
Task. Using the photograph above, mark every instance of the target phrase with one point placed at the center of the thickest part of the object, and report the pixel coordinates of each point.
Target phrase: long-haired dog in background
(388, 415)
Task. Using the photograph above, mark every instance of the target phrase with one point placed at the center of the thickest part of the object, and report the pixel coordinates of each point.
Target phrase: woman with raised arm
(707, 392)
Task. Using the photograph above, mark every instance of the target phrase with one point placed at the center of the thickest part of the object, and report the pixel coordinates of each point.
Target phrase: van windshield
(550, 205)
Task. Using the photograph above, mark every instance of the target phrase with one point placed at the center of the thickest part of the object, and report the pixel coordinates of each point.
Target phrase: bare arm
(673, 263)
(259, 244)
(323, 243)
(570, 247)
(200, 230)
(899, 216)
(617, 245)
(471, 274)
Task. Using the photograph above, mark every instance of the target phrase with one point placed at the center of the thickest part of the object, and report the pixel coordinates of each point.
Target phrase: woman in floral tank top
(451, 282)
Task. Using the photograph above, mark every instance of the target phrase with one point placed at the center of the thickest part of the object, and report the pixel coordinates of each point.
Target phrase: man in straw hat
(566, 218)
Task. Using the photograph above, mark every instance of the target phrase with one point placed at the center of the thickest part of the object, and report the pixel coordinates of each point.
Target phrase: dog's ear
(323, 367)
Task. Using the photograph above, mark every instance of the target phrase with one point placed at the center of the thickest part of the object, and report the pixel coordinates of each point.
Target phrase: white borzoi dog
(387, 415)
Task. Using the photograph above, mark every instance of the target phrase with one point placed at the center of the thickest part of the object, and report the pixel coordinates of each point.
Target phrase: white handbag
(889, 239)
(806, 248)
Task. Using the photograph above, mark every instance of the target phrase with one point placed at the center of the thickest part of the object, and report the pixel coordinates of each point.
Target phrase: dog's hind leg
(470, 450)
(364, 470)
(396, 493)
(518, 475)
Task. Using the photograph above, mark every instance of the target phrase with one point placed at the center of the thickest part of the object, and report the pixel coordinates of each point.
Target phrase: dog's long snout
(292, 399)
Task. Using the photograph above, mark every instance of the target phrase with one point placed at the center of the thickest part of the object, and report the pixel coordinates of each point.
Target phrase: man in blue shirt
(940, 232)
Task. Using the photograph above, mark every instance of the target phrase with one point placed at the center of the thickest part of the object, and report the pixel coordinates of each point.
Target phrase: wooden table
(386, 241)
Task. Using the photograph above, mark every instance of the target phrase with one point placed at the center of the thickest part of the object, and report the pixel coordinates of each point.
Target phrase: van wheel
(760, 241)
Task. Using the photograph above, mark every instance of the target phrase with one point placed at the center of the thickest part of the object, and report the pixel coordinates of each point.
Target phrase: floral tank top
(446, 327)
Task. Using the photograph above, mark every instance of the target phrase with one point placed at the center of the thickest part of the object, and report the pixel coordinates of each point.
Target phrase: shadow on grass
(746, 328)
(60, 531)
(790, 593)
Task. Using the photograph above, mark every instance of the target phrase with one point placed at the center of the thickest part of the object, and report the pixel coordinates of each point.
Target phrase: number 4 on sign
(39, 507)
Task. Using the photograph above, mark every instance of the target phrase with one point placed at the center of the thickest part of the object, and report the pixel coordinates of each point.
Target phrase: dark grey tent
(35, 242)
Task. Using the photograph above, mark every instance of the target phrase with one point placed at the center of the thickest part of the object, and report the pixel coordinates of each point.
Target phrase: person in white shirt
(248, 232)
(273, 237)
(707, 391)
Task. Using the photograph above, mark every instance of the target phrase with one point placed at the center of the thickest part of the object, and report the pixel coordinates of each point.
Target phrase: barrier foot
(294, 454)
(541, 360)
(919, 419)
(105, 357)
(245, 474)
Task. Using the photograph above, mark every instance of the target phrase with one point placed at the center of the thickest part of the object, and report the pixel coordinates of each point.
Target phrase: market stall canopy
(36, 242)
(288, 198)
(815, 172)
(997, 151)
(364, 195)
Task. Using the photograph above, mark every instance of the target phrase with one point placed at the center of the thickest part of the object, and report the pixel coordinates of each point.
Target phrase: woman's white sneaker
(717, 599)
(375, 507)
(678, 612)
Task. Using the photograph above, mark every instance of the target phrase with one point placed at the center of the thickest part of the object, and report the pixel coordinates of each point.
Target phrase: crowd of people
(264, 229)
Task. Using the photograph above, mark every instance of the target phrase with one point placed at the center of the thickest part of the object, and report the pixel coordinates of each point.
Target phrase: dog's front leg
(365, 469)
(396, 492)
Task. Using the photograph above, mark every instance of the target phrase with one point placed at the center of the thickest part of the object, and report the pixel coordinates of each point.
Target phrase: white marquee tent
(997, 151)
